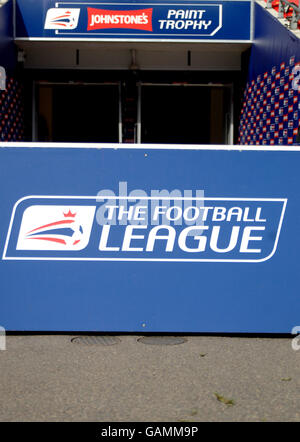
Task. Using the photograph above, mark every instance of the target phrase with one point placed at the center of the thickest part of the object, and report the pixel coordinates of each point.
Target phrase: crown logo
(69, 214)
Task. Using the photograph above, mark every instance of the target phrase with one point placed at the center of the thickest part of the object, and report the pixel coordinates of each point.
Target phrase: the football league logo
(56, 227)
(89, 228)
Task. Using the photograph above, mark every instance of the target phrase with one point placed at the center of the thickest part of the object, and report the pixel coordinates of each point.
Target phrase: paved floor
(49, 378)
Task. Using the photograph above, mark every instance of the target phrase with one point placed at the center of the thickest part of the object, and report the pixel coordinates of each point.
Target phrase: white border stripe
(120, 146)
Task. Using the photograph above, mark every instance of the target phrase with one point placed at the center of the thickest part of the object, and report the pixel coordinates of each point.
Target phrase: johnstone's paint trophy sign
(224, 20)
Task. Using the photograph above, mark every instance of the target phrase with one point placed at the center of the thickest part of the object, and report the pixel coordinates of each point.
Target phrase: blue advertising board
(144, 238)
(138, 20)
(7, 49)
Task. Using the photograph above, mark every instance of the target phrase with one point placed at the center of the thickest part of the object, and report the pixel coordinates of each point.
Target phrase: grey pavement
(49, 378)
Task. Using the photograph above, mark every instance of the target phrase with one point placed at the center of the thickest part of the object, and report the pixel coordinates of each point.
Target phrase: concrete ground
(49, 378)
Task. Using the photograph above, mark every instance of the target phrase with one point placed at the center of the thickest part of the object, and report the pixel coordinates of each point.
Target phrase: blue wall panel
(43, 292)
(273, 44)
(270, 111)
